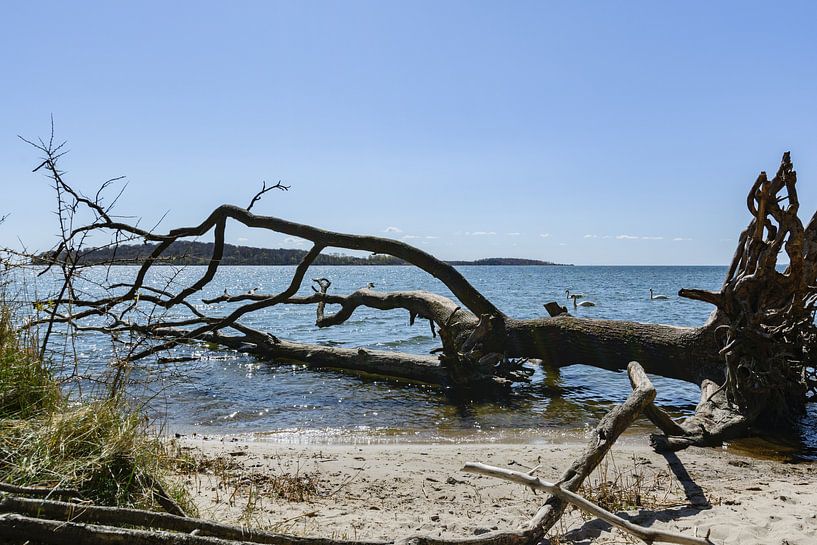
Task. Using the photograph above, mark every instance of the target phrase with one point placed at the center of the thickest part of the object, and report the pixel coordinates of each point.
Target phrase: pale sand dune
(388, 491)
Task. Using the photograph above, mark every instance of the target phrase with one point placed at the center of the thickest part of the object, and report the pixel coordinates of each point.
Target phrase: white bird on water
(577, 295)
(583, 303)
(657, 297)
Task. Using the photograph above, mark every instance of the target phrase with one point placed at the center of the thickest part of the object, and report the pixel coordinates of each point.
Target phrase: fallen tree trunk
(561, 341)
(759, 346)
(684, 353)
(107, 517)
(379, 362)
(689, 354)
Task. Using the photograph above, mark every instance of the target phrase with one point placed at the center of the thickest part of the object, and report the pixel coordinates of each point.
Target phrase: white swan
(657, 297)
(578, 295)
(583, 303)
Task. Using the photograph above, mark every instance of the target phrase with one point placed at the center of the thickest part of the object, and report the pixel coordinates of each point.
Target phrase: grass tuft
(102, 448)
(27, 387)
(294, 487)
(631, 487)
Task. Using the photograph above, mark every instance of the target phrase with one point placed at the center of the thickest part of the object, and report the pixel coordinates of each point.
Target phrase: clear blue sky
(551, 130)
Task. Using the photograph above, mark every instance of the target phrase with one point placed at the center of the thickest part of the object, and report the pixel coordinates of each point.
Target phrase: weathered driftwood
(22, 529)
(380, 362)
(709, 426)
(164, 499)
(601, 441)
(117, 516)
(15, 527)
(648, 535)
(41, 491)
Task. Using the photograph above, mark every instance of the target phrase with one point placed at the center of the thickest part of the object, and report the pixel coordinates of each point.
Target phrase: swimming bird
(659, 297)
(252, 291)
(578, 295)
(370, 285)
(583, 303)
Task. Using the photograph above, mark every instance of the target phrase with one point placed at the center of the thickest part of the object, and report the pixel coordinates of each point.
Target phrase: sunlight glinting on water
(226, 392)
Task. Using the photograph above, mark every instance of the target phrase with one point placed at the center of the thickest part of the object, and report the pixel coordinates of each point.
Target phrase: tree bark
(689, 354)
(379, 362)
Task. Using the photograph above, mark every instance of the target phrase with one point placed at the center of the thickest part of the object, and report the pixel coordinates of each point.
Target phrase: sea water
(226, 392)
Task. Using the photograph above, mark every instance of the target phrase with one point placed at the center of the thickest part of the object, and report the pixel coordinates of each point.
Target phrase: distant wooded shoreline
(200, 253)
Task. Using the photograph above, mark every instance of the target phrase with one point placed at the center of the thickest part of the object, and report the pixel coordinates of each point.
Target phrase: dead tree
(756, 347)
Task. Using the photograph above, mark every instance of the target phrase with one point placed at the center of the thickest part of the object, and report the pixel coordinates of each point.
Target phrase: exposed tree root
(764, 325)
(711, 425)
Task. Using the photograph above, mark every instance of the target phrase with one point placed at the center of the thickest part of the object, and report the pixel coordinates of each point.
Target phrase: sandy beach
(392, 491)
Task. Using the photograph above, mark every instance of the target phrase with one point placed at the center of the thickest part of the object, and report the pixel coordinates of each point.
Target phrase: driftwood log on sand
(50, 521)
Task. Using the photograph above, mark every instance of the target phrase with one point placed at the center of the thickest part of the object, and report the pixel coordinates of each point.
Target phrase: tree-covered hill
(198, 253)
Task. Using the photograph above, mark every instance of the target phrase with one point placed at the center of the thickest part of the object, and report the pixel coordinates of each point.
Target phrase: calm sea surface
(233, 393)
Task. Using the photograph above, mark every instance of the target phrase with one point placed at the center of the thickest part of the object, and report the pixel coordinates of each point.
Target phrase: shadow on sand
(695, 496)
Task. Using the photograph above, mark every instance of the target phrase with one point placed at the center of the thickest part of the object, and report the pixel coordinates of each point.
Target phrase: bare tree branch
(264, 189)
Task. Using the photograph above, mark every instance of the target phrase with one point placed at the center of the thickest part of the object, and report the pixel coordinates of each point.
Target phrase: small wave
(411, 341)
(329, 342)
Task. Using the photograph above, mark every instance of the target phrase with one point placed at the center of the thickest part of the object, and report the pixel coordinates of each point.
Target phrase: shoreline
(377, 491)
(778, 450)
